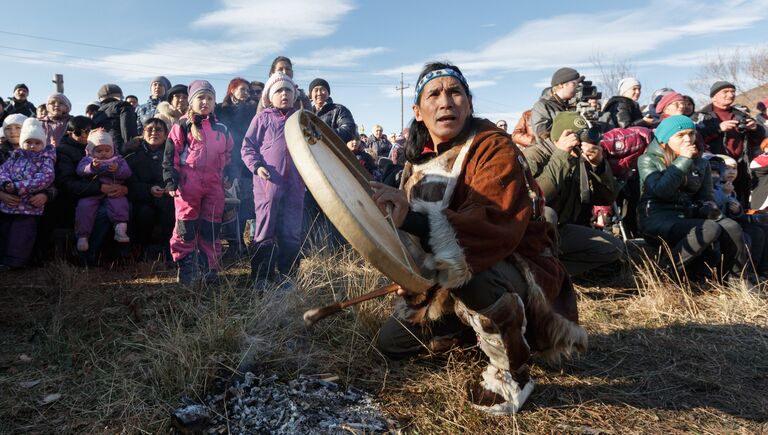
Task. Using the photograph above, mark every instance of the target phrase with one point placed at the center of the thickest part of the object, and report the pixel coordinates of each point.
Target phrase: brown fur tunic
(482, 202)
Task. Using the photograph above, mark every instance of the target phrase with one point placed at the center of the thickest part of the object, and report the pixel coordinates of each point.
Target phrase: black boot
(187, 270)
(263, 262)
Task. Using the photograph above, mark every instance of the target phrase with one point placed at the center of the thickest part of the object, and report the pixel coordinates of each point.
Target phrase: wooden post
(58, 80)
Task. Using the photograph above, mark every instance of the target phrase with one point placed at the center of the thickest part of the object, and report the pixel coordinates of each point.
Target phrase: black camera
(587, 91)
(702, 210)
(741, 115)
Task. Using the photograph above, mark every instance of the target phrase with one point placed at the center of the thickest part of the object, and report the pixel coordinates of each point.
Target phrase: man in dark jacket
(152, 213)
(19, 102)
(338, 117)
(728, 129)
(573, 175)
(565, 82)
(115, 116)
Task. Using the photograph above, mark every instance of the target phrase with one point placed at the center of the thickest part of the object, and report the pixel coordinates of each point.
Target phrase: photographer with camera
(573, 175)
(565, 83)
(728, 129)
(677, 204)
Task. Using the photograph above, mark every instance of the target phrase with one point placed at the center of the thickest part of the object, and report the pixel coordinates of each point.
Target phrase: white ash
(263, 404)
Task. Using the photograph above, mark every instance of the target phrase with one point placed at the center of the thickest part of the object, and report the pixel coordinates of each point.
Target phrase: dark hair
(277, 60)
(77, 124)
(257, 83)
(92, 108)
(131, 96)
(156, 121)
(42, 106)
(690, 100)
(418, 134)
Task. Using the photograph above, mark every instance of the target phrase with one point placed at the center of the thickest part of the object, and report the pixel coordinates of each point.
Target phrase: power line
(154, 71)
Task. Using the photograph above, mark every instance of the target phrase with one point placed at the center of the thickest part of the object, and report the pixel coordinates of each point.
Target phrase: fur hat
(98, 137)
(198, 86)
(32, 129)
(627, 84)
(14, 118)
(109, 90)
(276, 82)
(319, 82)
(61, 98)
(672, 125)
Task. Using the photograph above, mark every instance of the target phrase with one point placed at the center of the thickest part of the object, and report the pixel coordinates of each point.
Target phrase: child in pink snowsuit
(278, 190)
(103, 163)
(196, 154)
(28, 171)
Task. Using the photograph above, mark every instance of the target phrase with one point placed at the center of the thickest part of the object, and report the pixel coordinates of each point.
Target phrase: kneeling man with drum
(475, 214)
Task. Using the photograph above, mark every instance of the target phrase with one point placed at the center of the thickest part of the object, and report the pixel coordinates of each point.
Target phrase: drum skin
(340, 186)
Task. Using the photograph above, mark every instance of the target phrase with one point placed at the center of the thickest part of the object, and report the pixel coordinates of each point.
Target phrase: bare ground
(114, 350)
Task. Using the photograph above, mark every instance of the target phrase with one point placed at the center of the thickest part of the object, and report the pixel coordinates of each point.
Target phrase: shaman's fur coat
(484, 206)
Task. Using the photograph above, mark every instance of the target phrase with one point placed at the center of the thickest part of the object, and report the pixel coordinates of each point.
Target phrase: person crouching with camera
(677, 205)
(728, 129)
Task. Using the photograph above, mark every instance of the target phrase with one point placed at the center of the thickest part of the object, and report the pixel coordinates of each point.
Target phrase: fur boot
(505, 383)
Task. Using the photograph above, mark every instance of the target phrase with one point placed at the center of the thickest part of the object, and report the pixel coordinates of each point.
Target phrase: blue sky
(508, 50)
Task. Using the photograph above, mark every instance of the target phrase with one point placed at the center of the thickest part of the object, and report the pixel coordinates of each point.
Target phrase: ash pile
(263, 404)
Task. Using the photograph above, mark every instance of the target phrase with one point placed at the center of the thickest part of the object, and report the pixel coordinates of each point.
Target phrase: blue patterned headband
(435, 74)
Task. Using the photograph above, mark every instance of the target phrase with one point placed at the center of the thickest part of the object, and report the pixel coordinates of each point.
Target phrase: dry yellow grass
(123, 346)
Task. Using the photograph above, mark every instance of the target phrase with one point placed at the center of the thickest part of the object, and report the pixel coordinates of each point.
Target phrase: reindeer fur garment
(478, 199)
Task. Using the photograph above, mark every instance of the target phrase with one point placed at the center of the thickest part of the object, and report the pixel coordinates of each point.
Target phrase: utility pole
(401, 88)
(58, 79)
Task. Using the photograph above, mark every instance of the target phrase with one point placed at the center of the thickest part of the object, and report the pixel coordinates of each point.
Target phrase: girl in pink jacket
(196, 153)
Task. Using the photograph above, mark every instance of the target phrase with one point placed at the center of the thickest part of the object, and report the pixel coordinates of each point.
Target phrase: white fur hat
(32, 129)
(14, 118)
(98, 137)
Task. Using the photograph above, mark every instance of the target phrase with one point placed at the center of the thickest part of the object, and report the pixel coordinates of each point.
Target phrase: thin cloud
(545, 44)
(337, 57)
(251, 30)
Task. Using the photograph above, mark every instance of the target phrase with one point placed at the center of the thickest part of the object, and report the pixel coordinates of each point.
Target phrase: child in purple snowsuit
(278, 190)
(28, 171)
(197, 152)
(101, 162)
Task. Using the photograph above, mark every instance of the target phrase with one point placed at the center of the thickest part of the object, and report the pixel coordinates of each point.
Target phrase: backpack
(623, 146)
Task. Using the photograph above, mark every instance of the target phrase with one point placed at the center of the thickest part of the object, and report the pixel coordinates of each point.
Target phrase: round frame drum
(340, 186)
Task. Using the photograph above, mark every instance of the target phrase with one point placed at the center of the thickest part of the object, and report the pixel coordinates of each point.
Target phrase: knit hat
(32, 129)
(98, 137)
(20, 86)
(719, 86)
(61, 98)
(198, 86)
(163, 81)
(627, 84)
(14, 118)
(565, 75)
(110, 89)
(666, 100)
(276, 82)
(672, 125)
(319, 82)
(567, 121)
(177, 89)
